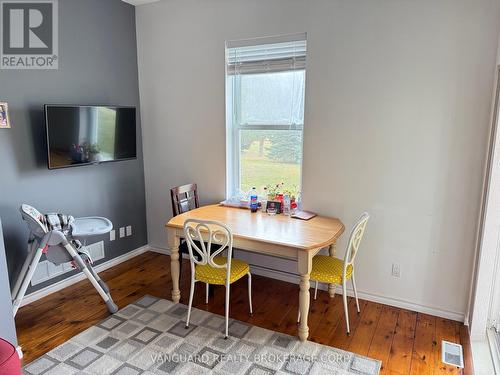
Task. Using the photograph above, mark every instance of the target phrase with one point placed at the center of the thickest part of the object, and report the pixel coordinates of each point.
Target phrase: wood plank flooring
(406, 342)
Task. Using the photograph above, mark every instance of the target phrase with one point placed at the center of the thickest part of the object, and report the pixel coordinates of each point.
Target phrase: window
(265, 90)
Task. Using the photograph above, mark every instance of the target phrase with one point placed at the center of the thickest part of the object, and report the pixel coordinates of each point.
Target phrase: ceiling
(139, 2)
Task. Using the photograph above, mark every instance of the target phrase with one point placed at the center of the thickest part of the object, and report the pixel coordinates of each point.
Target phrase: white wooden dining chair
(209, 266)
(327, 269)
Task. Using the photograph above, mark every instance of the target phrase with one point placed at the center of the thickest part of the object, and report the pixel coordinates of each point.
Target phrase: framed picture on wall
(4, 116)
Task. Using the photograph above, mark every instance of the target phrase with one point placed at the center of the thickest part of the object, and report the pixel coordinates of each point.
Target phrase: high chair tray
(91, 226)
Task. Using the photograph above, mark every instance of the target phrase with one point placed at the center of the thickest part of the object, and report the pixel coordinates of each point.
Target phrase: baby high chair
(58, 237)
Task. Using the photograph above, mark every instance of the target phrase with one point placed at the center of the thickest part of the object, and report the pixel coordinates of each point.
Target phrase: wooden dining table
(277, 235)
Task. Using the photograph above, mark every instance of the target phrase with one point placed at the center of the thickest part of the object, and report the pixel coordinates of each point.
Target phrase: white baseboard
(256, 269)
(285, 276)
(400, 303)
(159, 250)
(32, 297)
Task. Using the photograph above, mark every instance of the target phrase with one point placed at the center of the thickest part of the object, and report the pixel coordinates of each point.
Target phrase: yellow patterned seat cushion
(212, 275)
(326, 269)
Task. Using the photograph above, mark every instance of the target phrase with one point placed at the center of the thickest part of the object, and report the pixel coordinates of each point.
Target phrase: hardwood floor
(405, 341)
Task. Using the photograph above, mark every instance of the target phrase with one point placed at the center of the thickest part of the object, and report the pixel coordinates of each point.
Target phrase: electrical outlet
(396, 270)
(129, 230)
(122, 232)
(112, 235)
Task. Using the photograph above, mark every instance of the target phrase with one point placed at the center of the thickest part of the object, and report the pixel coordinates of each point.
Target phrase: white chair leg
(355, 292)
(191, 294)
(316, 290)
(346, 311)
(227, 310)
(206, 293)
(250, 292)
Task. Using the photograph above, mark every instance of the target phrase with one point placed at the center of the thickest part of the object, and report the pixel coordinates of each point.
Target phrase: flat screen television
(82, 135)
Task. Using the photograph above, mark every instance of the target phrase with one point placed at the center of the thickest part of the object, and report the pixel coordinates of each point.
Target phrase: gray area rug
(149, 337)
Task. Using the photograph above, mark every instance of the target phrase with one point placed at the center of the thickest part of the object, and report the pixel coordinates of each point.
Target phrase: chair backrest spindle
(355, 238)
(201, 235)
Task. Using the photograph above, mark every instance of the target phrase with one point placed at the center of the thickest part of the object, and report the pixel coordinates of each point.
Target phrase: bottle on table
(263, 201)
(281, 200)
(286, 204)
(254, 200)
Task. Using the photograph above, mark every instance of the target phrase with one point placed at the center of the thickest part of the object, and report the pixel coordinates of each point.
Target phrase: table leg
(332, 250)
(304, 265)
(173, 244)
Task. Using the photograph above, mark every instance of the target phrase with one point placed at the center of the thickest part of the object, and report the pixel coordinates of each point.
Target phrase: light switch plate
(129, 230)
(122, 232)
(112, 235)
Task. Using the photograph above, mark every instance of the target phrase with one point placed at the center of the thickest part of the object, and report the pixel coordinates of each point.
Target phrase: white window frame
(233, 129)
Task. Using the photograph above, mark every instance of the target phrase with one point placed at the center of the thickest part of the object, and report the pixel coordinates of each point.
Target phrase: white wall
(397, 114)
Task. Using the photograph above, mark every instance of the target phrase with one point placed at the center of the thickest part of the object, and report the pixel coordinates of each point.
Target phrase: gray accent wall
(7, 327)
(98, 65)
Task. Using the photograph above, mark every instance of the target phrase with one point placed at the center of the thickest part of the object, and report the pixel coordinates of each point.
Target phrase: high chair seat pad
(326, 269)
(217, 276)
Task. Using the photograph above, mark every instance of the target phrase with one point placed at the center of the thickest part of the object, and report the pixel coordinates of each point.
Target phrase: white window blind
(268, 79)
(266, 58)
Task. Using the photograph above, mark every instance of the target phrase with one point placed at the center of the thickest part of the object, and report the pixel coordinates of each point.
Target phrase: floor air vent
(452, 354)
